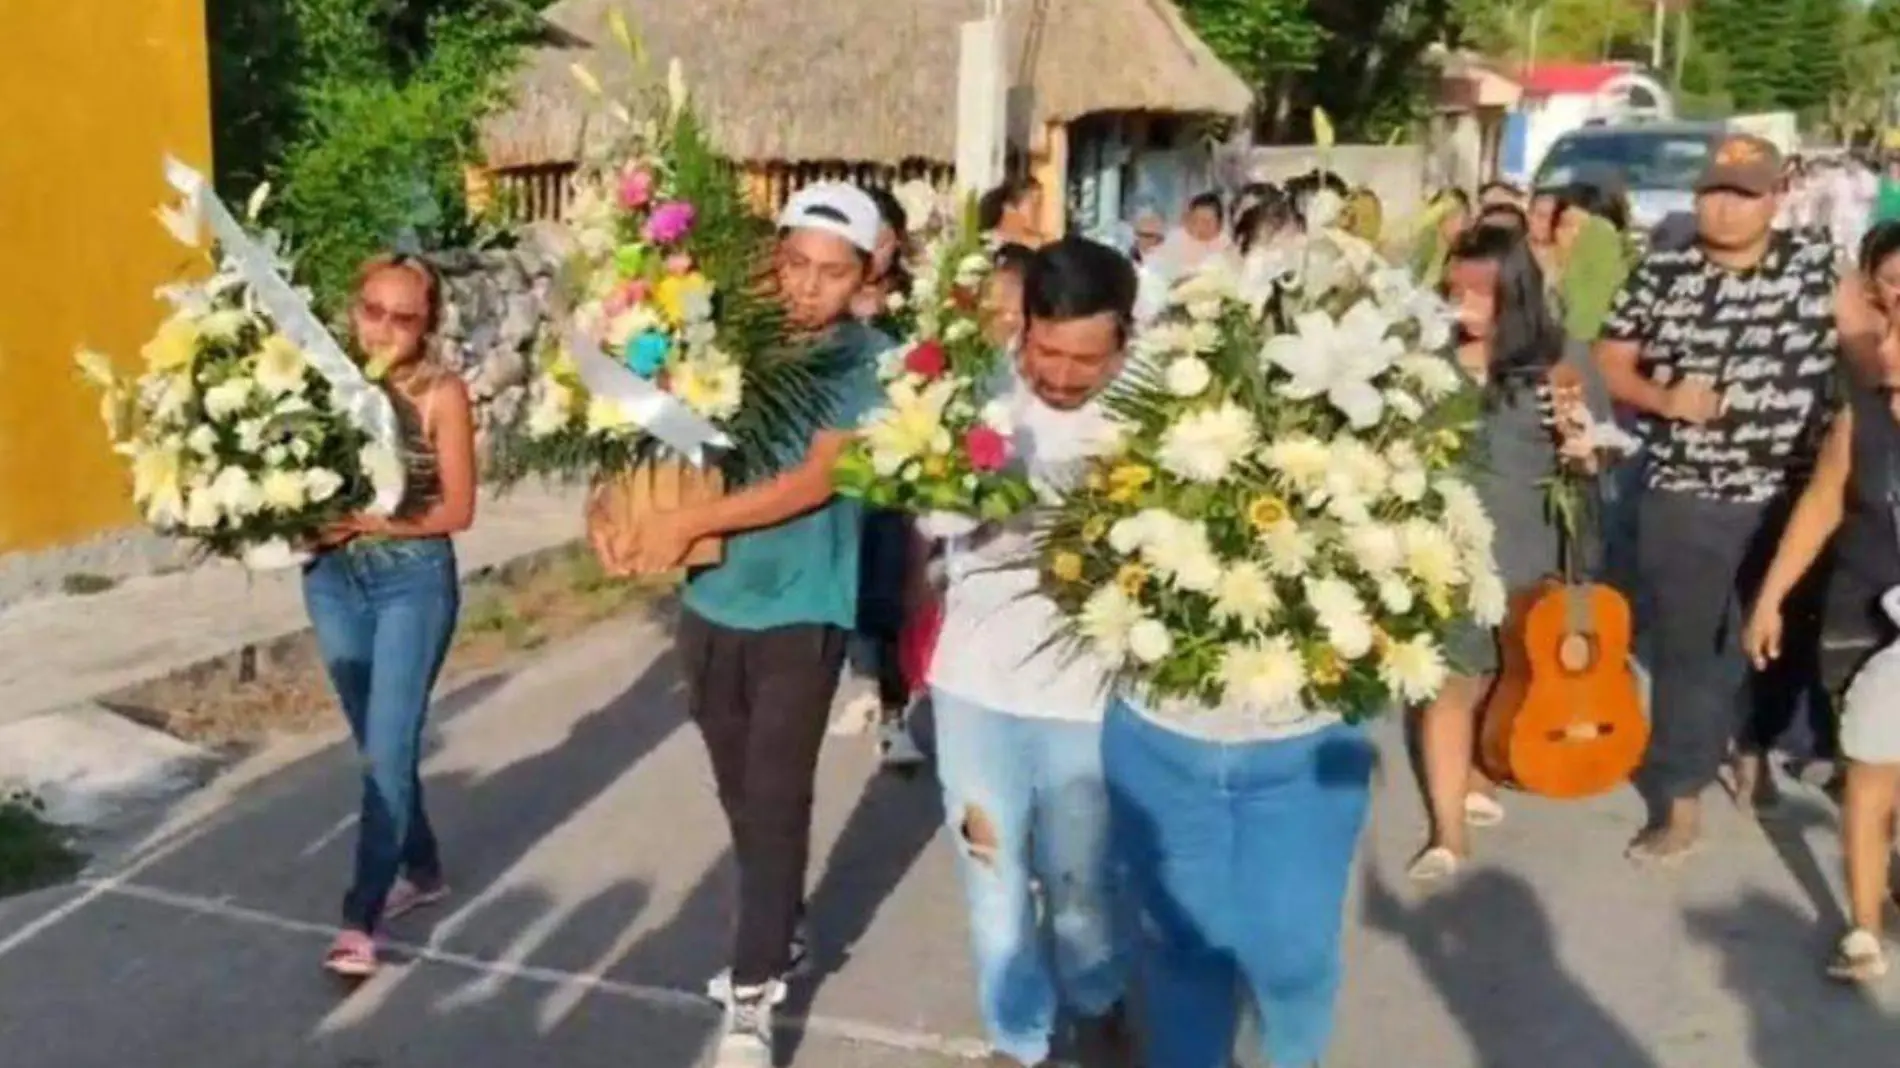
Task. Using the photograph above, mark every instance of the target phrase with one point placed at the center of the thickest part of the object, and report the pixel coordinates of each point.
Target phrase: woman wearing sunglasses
(383, 595)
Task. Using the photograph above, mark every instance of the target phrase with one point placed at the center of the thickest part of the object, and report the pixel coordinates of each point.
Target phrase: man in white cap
(762, 635)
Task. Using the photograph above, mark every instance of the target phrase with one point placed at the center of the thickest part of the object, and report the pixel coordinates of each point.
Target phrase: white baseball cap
(835, 208)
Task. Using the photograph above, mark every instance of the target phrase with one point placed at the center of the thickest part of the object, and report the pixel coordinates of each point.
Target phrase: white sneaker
(747, 1041)
(896, 748)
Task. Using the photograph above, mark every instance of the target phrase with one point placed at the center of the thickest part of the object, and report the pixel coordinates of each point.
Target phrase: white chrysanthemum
(203, 512)
(1395, 595)
(1356, 470)
(226, 399)
(637, 320)
(223, 325)
(1300, 460)
(1290, 550)
(1375, 547)
(1267, 675)
(1165, 339)
(1489, 600)
(1204, 446)
(1341, 615)
(1128, 535)
(552, 409)
(320, 484)
(283, 491)
(1431, 555)
(203, 440)
(1246, 594)
(1434, 376)
(1413, 669)
(1465, 515)
(250, 435)
(1409, 484)
(711, 385)
(1107, 618)
(1404, 405)
(1150, 642)
(1188, 376)
(277, 455)
(237, 493)
(1203, 338)
(1180, 550)
(1211, 284)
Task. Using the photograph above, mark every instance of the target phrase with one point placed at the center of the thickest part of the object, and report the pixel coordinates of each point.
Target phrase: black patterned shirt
(1768, 340)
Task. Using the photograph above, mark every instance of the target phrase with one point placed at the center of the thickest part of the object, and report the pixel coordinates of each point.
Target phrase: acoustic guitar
(1565, 718)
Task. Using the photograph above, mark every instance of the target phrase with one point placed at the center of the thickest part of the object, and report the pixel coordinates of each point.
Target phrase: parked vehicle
(1656, 163)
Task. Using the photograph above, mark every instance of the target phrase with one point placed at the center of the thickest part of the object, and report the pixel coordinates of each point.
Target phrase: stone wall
(496, 317)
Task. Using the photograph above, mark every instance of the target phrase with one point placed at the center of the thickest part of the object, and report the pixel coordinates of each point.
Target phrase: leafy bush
(364, 114)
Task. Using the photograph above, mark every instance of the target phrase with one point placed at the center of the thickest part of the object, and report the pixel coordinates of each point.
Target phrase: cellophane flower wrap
(231, 434)
(668, 277)
(941, 444)
(1284, 525)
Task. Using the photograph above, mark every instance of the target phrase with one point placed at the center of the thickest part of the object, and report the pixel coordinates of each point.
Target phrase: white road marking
(858, 1031)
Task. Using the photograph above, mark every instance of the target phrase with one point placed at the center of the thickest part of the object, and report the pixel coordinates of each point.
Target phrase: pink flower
(926, 359)
(679, 263)
(636, 189)
(626, 296)
(988, 450)
(669, 222)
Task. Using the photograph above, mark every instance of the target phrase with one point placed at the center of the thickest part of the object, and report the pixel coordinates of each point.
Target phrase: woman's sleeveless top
(423, 480)
(1867, 546)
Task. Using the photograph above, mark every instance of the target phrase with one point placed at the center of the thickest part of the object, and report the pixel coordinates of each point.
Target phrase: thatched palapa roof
(871, 81)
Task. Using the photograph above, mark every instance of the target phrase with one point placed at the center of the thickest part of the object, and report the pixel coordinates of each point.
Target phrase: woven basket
(616, 505)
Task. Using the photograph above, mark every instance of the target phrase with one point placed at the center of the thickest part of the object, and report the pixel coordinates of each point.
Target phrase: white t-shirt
(1001, 644)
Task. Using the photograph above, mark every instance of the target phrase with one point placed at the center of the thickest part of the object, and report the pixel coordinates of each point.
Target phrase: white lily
(1340, 360)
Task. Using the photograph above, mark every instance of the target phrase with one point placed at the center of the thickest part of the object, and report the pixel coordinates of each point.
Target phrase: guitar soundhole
(1577, 652)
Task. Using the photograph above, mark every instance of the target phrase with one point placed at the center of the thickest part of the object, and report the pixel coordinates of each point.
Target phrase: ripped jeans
(1025, 799)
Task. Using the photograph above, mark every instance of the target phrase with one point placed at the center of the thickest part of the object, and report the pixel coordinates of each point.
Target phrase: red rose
(926, 359)
(988, 450)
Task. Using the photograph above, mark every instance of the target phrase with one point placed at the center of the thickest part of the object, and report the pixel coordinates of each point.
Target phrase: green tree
(1269, 43)
(363, 114)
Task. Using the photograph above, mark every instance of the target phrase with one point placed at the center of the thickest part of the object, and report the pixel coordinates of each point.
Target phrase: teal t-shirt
(804, 570)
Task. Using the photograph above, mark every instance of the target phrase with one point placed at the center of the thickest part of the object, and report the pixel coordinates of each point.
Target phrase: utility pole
(1656, 38)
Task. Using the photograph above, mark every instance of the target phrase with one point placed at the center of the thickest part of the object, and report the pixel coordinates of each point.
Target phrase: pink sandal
(406, 897)
(352, 955)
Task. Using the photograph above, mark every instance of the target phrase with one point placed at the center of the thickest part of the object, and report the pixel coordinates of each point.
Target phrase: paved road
(592, 881)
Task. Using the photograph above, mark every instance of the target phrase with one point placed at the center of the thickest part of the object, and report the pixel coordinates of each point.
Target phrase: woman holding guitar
(1511, 345)
(1851, 501)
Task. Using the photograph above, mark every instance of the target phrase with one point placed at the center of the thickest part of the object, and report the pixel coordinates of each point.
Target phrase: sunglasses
(378, 314)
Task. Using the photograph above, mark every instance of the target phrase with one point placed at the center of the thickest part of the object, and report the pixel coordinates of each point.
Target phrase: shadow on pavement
(1487, 948)
(1772, 960)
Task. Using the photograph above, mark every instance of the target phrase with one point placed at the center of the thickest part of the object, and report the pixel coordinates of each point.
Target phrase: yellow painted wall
(93, 93)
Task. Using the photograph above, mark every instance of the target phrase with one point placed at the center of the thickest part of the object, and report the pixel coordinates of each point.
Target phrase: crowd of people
(1754, 362)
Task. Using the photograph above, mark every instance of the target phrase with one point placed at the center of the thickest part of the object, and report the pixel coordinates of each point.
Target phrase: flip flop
(352, 955)
(406, 897)
(1859, 958)
(1435, 865)
(1644, 852)
(1482, 810)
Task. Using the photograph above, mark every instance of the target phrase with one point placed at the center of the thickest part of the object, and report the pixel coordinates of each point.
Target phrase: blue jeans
(1025, 800)
(1238, 857)
(383, 613)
